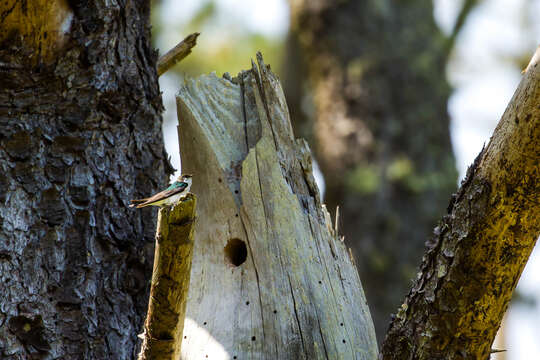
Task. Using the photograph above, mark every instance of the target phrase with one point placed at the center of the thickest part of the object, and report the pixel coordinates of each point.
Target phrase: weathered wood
(177, 53)
(480, 248)
(170, 281)
(271, 279)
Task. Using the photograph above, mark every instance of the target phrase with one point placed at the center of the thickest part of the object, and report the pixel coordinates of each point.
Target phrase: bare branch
(176, 54)
(466, 9)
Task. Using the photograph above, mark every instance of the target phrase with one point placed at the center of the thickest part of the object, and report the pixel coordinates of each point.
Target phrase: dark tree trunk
(80, 134)
(380, 133)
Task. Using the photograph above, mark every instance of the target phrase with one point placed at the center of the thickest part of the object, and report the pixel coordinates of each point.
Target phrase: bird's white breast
(174, 199)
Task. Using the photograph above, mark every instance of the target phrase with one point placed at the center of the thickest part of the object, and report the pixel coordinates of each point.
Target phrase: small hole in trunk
(236, 252)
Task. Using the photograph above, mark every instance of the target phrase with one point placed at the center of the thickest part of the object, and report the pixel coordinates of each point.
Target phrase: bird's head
(186, 178)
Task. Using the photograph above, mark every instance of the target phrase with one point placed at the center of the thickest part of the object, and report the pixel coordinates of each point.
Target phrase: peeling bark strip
(480, 248)
(170, 281)
(80, 135)
(296, 295)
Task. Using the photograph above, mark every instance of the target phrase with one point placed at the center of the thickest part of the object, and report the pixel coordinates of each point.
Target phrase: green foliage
(364, 179)
(399, 169)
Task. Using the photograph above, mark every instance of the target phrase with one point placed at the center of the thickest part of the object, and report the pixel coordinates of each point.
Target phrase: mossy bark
(170, 281)
(481, 246)
(37, 29)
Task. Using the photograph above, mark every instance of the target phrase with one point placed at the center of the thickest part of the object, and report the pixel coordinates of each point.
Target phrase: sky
(482, 71)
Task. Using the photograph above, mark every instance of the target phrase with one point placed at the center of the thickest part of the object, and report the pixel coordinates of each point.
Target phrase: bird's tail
(135, 202)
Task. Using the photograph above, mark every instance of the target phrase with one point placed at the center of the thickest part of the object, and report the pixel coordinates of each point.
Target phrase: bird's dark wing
(159, 196)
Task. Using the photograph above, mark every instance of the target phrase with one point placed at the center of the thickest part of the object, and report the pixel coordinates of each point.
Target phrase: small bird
(169, 196)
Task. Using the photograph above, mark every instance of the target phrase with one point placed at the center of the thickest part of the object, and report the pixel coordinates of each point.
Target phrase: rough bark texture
(271, 278)
(80, 135)
(381, 131)
(170, 282)
(481, 246)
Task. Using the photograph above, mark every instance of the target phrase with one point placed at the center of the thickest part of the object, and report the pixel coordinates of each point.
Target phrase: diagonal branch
(177, 53)
(479, 250)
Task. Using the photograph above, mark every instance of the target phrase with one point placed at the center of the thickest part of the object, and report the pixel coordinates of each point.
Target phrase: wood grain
(298, 294)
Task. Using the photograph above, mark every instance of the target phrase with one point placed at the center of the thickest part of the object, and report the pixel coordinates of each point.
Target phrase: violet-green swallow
(169, 196)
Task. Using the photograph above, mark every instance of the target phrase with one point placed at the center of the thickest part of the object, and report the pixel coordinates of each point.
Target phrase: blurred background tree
(367, 84)
(380, 131)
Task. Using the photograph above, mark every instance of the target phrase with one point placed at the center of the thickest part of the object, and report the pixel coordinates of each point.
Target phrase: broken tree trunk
(271, 278)
(170, 281)
(481, 247)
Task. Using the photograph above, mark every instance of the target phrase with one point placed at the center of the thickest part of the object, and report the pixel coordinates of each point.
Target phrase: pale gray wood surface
(298, 294)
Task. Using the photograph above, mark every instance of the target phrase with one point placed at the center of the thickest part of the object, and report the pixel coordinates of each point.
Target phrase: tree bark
(271, 279)
(170, 282)
(380, 130)
(480, 248)
(80, 134)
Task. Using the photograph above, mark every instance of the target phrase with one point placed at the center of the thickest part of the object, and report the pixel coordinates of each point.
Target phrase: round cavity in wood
(235, 252)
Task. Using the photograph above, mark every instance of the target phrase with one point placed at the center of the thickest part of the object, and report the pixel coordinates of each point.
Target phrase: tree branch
(468, 5)
(177, 53)
(170, 281)
(480, 248)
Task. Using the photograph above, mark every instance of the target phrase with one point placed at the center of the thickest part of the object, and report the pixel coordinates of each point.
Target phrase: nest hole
(236, 252)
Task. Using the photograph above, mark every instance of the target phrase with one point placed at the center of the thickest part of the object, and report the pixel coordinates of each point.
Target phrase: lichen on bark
(481, 246)
(164, 323)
